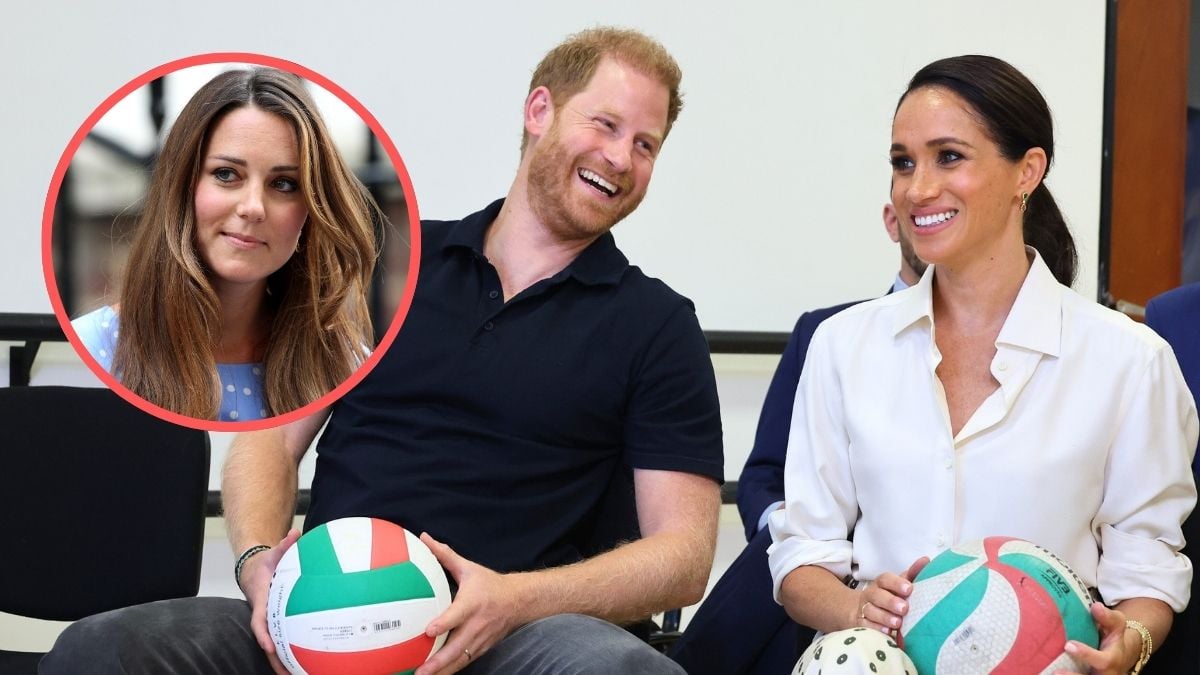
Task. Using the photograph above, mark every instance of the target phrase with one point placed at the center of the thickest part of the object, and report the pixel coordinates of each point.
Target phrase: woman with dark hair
(244, 293)
(989, 399)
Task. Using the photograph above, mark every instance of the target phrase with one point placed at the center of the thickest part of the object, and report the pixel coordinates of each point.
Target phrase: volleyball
(1000, 605)
(353, 597)
(854, 651)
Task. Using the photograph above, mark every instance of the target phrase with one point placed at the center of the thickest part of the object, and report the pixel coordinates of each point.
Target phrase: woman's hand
(883, 603)
(1116, 655)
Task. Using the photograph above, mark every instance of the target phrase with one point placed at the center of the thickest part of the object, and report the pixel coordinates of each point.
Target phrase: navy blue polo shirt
(506, 428)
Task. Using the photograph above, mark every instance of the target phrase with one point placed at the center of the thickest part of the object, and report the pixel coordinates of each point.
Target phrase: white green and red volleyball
(999, 605)
(353, 597)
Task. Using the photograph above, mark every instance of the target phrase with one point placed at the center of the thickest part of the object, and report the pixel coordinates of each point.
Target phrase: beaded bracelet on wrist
(246, 555)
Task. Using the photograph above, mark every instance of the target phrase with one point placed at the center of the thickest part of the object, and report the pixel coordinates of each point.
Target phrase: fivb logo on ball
(1000, 605)
(354, 596)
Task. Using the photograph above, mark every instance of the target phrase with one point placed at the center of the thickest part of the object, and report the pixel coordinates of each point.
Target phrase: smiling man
(548, 416)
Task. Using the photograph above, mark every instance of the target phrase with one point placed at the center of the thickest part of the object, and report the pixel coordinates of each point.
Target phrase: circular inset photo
(230, 241)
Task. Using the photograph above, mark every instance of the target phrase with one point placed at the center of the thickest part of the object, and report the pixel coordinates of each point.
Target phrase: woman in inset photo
(244, 292)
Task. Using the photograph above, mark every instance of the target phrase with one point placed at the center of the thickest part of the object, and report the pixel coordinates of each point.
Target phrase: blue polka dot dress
(241, 392)
(241, 383)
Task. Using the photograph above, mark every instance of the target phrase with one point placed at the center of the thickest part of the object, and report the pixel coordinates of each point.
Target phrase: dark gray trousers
(207, 636)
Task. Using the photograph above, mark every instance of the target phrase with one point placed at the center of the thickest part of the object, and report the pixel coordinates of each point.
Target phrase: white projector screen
(766, 199)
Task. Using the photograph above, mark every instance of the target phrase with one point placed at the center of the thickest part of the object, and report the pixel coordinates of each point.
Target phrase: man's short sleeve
(674, 419)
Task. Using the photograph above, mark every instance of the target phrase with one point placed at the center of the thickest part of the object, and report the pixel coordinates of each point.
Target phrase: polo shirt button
(949, 463)
(941, 541)
(1002, 366)
(488, 326)
(494, 294)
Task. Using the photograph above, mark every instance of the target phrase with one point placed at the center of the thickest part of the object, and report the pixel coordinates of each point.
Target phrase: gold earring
(1024, 201)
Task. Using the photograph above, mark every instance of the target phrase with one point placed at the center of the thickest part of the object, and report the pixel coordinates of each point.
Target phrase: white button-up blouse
(1085, 448)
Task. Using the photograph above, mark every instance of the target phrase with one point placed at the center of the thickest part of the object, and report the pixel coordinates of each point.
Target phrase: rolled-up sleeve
(820, 500)
(1149, 490)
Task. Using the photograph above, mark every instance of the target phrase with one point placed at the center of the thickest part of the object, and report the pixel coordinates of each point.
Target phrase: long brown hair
(170, 315)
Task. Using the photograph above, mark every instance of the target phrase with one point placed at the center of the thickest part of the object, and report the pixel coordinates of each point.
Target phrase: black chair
(101, 506)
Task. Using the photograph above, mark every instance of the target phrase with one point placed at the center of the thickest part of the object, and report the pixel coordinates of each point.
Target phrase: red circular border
(414, 226)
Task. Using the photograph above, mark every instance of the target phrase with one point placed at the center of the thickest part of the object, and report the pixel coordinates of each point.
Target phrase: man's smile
(593, 179)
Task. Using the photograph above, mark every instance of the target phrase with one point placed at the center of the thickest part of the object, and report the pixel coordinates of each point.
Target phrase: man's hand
(256, 581)
(487, 608)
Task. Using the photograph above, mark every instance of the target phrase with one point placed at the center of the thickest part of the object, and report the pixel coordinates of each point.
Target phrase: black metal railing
(34, 329)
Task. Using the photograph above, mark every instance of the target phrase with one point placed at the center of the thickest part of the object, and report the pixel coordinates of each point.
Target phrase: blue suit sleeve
(761, 481)
(1174, 316)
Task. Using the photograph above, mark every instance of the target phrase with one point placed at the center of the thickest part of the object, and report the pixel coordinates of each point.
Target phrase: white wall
(766, 199)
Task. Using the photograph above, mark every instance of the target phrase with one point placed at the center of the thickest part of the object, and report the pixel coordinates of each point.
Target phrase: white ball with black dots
(860, 651)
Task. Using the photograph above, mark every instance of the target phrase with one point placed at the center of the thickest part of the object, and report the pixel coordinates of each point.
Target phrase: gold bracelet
(1147, 645)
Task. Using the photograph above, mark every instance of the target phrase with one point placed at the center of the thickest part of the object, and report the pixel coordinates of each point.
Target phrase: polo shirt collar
(599, 264)
(1034, 322)
(468, 232)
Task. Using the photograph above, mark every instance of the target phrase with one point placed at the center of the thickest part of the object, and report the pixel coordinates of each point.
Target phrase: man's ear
(539, 112)
(891, 222)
